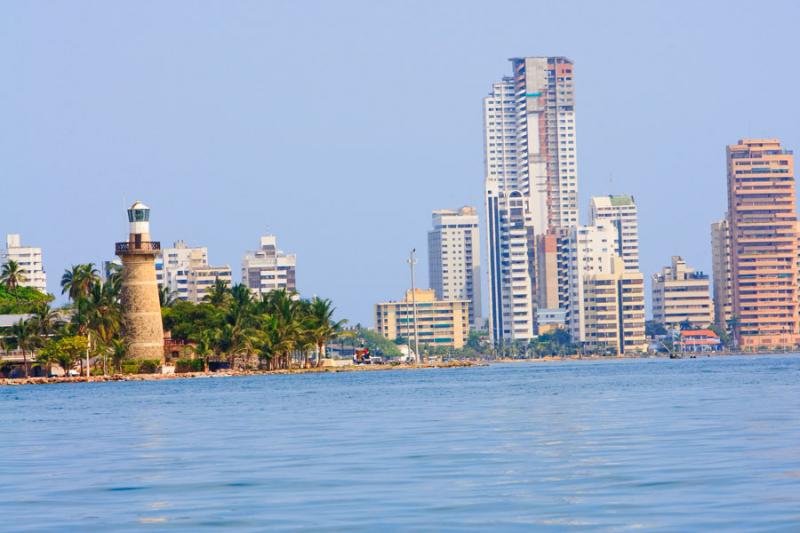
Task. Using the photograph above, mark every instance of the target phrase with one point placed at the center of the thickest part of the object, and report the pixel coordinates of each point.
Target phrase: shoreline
(230, 373)
(11, 382)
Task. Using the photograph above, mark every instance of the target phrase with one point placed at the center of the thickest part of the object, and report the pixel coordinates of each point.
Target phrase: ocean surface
(678, 445)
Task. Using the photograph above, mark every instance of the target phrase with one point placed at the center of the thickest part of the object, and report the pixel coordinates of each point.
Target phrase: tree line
(232, 325)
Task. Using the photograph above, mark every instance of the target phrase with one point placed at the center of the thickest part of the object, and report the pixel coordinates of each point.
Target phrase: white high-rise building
(531, 182)
(621, 211)
(29, 259)
(589, 250)
(175, 264)
(454, 258)
(268, 268)
(185, 272)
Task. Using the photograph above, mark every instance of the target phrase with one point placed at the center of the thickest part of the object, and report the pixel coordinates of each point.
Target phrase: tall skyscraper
(531, 183)
(721, 271)
(29, 259)
(762, 214)
(621, 211)
(268, 268)
(454, 258)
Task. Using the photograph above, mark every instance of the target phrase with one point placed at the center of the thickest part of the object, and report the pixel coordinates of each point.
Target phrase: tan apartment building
(439, 322)
(681, 294)
(762, 214)
(721, 270)
(613, 311)
(202, 278)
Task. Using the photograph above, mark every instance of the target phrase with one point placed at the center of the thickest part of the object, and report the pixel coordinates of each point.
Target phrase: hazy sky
(339, 126)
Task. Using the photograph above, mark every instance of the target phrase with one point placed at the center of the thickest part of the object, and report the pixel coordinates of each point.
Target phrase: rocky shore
(230, 373)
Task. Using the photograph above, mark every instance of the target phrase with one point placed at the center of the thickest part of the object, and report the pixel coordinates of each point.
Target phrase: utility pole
(411, 263)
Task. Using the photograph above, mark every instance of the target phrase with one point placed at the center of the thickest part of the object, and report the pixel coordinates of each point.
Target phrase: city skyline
(64, 138)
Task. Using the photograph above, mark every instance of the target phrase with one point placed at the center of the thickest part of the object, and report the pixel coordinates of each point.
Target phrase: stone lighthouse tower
(140, 303)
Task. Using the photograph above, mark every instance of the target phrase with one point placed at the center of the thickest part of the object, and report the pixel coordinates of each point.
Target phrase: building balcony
(142, 247)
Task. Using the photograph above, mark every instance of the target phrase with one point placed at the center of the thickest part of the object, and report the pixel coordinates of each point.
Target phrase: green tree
(65, 351)
(166, 297)
(12, 275)
(322, 327)
(218, 294)
(77, 282)
(45, 320)
(653, 328)
(24, 338)
(118, 350)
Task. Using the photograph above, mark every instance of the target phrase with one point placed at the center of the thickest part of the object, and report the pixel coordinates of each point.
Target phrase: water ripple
(606, 445)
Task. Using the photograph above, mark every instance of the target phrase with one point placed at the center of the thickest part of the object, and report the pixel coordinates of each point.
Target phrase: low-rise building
(29, 259)
(439, 322)
(681, 294)
(698, 340)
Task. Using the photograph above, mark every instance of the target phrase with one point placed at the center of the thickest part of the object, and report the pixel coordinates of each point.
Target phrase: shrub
(189, 365)
(141, 366)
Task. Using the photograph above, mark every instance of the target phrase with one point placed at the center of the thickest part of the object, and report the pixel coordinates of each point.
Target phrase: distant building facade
(268, 268)
(29, 259)
(613, 311)
(588, 250)
(621, 211)
(186, 274)
(201, 278)
(454, 258)
(763, 225)
(439, 322)
(531, 183)
(721, 271)
(680, 294)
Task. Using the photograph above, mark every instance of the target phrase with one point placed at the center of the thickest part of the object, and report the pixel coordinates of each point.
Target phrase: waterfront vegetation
(232, 328)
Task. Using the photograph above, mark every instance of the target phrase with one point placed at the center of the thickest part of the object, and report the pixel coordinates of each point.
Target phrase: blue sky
(339, 126)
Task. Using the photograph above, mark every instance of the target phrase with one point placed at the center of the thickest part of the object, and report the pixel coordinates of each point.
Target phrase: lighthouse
(141, 307)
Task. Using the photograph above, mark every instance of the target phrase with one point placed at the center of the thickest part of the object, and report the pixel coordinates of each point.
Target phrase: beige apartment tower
(613, 311)
(762, 216)
(141, 308)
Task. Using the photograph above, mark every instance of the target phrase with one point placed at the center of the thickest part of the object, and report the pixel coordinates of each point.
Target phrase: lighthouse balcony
(141, 247)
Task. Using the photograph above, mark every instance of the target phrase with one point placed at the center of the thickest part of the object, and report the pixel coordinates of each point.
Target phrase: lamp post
(411, 263)
(88, 348)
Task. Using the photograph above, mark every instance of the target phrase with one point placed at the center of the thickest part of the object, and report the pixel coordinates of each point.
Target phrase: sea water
(678, 445)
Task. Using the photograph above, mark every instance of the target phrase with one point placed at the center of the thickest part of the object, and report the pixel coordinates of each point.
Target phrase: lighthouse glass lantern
(139, 223)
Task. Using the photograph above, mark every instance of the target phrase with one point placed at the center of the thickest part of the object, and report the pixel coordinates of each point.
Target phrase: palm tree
(45, 319)
(288, 325)
(103, 311)
(117, 349)
(24, 337)
(78, 280)
(218, 293)
(322, 326)
(204, 347)
(166, 297)
(12, 275)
